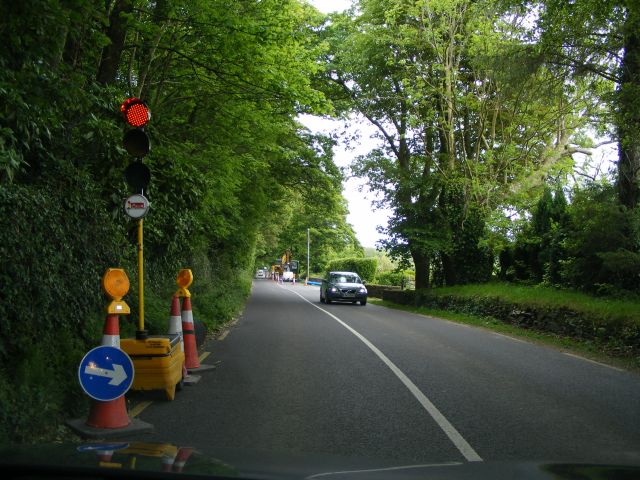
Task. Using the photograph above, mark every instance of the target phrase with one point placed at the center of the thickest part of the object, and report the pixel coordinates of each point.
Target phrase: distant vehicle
(261, 274)
(343, 287)
(288, 276)
(285, 268)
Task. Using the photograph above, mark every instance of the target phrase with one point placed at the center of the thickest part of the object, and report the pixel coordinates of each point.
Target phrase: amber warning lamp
(115, 284)
(137, 114)
(184, 281)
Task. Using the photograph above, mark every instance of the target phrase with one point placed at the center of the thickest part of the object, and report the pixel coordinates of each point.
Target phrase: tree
(468, 119)
(600, 41)
(314, 201)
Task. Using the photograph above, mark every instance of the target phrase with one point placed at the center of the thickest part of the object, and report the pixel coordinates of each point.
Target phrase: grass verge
(548, 297)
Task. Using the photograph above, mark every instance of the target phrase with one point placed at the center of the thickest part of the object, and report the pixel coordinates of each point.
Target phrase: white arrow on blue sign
(102, 447)
(105, 373)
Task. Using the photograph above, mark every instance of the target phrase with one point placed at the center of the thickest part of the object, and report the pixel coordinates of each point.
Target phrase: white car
(288, 276)
(261, 274)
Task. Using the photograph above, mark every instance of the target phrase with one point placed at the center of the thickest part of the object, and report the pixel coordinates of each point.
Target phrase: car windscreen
(345, 279)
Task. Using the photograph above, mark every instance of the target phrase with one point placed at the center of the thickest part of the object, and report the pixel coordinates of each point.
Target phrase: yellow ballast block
(157, 362)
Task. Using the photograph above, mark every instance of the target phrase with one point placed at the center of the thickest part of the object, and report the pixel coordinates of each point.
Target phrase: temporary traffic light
(137, 114)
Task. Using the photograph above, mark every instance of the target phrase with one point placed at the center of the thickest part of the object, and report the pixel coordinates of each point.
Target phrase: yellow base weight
(157, 361)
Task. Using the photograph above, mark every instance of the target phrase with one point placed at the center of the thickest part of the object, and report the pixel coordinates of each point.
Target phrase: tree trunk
(116, 32)
(423, 268)
(629, 113)
(449, 269)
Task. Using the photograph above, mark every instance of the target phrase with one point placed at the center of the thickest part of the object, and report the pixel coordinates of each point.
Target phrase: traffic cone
(167, 463)
(181, 459)
(175, 326)
(188, 333)
(104, 455)
(111, 331)
(175, 321)
(112, 413)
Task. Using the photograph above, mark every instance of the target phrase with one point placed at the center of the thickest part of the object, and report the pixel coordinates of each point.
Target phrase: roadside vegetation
(232, 173)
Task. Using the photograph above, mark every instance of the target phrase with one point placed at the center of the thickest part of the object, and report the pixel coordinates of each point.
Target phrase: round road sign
(105, 373)
(136, 206)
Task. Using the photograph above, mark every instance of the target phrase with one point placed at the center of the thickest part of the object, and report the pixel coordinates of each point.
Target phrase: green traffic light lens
(136, 143)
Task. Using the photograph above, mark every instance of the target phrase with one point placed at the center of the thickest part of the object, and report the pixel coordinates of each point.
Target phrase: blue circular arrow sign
(105, 373)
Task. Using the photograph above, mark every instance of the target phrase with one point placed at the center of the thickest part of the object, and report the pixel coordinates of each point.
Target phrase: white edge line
(450, 431)
(387, 469)
(593, 361)
(510, 338)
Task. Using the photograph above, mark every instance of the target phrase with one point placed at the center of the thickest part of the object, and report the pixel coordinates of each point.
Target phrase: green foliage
(457, 94)
(395, 278)
(50, 269)
(466, 259)
(602, 253)
(580, 40)
(315, 203)
(364, 267)
(227, 154)
(538, 252)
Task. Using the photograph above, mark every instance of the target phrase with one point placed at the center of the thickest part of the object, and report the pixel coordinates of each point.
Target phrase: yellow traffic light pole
(141, 332)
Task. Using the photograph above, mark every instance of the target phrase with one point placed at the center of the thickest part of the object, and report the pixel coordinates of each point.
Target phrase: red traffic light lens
(135, 112)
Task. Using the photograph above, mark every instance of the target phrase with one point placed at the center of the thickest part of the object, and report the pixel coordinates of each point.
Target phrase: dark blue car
(343, 287)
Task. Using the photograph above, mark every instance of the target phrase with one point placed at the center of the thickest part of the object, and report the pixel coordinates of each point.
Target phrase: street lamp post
(306, 282)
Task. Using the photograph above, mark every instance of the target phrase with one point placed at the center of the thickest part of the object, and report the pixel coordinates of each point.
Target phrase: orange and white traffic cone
(112, 413)
(175, 326)
(104, 455)
(175, 320)
(189, 335)
(167, 463)
(111, 331)
(181, 459)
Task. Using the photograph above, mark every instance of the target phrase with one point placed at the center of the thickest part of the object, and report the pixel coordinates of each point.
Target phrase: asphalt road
(295, 376)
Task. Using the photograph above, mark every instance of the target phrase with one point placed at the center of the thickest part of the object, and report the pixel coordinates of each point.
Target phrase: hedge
(378, 290)
(365, 267)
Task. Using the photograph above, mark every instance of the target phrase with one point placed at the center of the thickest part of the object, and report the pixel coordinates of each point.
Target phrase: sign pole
(141, 333)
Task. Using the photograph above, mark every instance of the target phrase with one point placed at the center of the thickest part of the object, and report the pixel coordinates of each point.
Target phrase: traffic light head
(135, 112)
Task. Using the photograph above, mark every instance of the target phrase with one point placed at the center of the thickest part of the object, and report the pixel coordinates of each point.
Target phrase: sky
(328, 6)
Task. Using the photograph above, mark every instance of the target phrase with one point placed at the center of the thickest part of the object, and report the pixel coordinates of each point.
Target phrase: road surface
(296, 376)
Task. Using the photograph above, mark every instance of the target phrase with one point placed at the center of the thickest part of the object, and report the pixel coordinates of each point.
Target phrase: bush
(396, 279)
(600, 243)
(365, 267)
